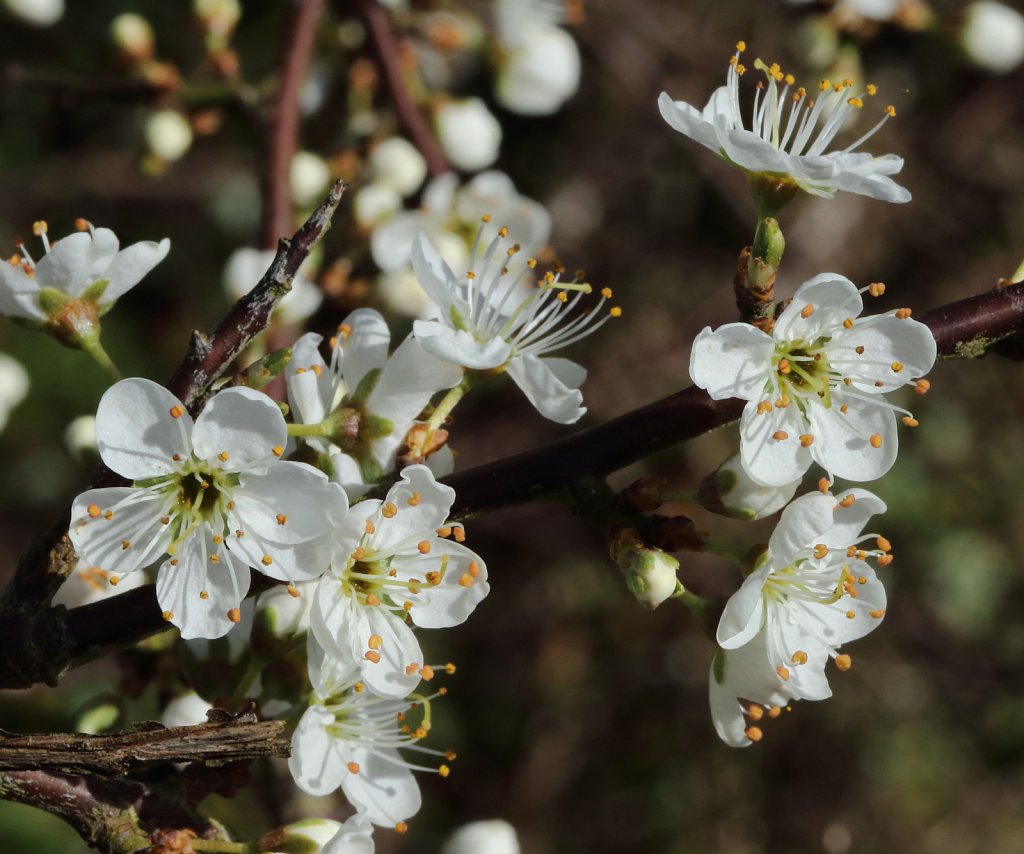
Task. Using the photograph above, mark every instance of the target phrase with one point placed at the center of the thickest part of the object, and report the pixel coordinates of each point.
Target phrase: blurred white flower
(309, 178)
(539, 64)
(132, 35)
(402, 293)
(185, 710)
(483, 837)
(374, 203)
(246, 266)
(38, 13)
(469, 134)
(14, 385)
(397, 163)
(993, 36)
(168, 135)
(80, 438)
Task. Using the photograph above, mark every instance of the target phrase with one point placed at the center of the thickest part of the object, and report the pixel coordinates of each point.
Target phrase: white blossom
(212, 496)
(85, 267)
(789, 133)
(469, 134)
(538, 62)
(374, 203)
(814, 387)
(186, 709)
(14, 385)
(309, 178)
(168, 135)
(397, 163)
(349, 738)
(730, 491)
(812, 591)
(380, 396)
(321, 836)
(391, 566)
(993, 36)
(246, 266)
(487, 321)
(88, 584)
(38, 13)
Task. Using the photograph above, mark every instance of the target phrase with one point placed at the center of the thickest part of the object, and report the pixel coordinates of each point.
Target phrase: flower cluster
(815, 376)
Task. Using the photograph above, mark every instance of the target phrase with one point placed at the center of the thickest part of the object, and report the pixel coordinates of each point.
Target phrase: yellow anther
(850, 615)
(741, 69)
(277, 450)
(844, 662)
(176, 412)
(823, 485)
(372, 656)
(885, 560)
(93, 510)
(753, 733)
(790, 80)
(859, 349)
(39, 227)
(125, 545)
(503, 231)
(780, 435)
(615, 311)
(806, 440)
(896, 367)
(783, 402)
(890, 111)
(466, 580)
(871, 89)
(389, 510)
(369, 527)
(414, 499)
(402, 827)
(531, 263)
(741, 46)
(847, 501)
(910, 421)
(223, 456)
(755, 712)
(473, 569)
(844, 408)
(444, 770)
(875, 440)
(376, 642)
(81, 224)
(784, 367)
(562, 296)
(281, 519)
(460, 534)
(807, 311)
(426, 673)
(423, 547)
(876, 289)
(372, 599)
(214, 558)
(485, 218)
(783, 672)
(855, 102)
(877, 614)
(820, 551)
(764, 407)
(922, 386)
(353, 767)
(235, 615)
(883, 544)
(293, 591)
(204, 594)
(824, 86)
(799, 657)
(168, 615)
(266, 560)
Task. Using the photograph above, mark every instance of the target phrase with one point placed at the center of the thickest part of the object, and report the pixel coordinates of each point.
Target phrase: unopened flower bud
(80, 439)
(281, 613)
(993, 36)
(469, 134)
(483, 837)
(397, 163)
(218, 17)
(14, 384)
(374, 203)
(133, 37)
(311, 835)
(168, 135)
(731, 492)
(309, 178)
(650, 573)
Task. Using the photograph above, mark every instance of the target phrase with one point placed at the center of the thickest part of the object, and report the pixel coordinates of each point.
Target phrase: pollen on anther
(389, 510)
(460, 534)
(780, 435)
(896, 367)
(168, 615)
(126, 544)
(402, 827)
(821, 551)
(847, 501)
(890, 111)
(903, 313)
(883, 544)
(277, 450)
(375, 642)
(466, 580)
(615, 311)
(449, 668)
(823, 485)
(764, 407)
(176, 412)
(293, 591)
(848, 323)
(755, 712)
(353, 767)
(859, 350)
(223, 456)
(806, 440)
(910, 421)
(444, 770)
(807, 311)
(372, 599)
(372, 656)
(93, 510)
(922, 386)
(784, 367)
(235, 615)
(473, 569)
(875, 440)
(783, 672)
(369, 527)
(850, 615)
(266, 560)
(799, 657)
(281, 518)
(426, 672)
(204, 594)
(877, 614)
(885, 560)
(844, 662)
(414, 499)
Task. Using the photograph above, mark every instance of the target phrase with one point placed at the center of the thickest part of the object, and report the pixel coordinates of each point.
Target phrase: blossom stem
(90, 344)
(450, 401)
(706, 612)
(220, 845)
(737, 555)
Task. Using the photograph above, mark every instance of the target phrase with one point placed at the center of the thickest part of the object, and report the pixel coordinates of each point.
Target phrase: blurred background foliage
(579, 717)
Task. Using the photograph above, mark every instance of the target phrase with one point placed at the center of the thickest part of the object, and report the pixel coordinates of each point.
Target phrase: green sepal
(52, 301)
(262, 371)
(375, 427)
(95, 292)
(365, 387)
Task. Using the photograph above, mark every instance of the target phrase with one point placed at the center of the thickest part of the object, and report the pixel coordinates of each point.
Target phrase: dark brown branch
(40, 650)
(114, 755)
(284, 124)
(386, 50)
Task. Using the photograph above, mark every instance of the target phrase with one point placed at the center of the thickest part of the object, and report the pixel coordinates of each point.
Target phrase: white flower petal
(384, 787)
(242, 422)
(550, 384)
(842, 444)
(399, 651)
(130, 265)
(317, 766)
(452, 601)
(459, 347)
(688, 121)
(364, 345)
(731, 361)
(135, 516)
(771, 461)
(831, 297)
(848, 521)
(310, 382)
(180, 588)
(136, 434)
(354, 837)
(422, 506)
(802, 524)
(76, 261)
(744, 612)
(19, 294)
(886, 340)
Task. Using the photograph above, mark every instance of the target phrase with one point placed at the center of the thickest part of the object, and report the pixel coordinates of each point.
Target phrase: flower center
(801, 370)
(799, 580)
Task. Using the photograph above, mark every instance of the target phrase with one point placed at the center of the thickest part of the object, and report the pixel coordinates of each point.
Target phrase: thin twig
(283, 139)
(40, 650)
(386, 50)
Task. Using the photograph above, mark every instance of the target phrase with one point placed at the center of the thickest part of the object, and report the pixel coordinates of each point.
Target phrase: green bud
(308, 836)
(650, 573)
(262, 371)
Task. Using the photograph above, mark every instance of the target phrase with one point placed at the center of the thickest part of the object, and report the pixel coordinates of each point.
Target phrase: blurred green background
(579, 717)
